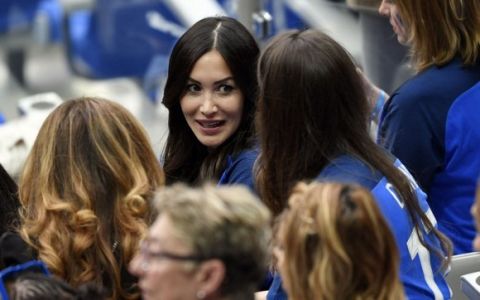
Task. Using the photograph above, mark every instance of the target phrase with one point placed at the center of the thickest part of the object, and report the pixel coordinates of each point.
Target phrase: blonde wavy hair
(336, 245)
(226, 222)
(86, 190)
(442, 29)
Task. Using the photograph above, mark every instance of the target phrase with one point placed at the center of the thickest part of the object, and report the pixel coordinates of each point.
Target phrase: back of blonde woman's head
(85, 191)
(336, 245)
(227, 223)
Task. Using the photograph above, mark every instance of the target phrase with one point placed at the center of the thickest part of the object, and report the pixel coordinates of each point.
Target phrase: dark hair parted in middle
(185, 158)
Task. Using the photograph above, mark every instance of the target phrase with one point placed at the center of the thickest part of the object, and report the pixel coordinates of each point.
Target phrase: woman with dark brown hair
(313, 125)
(210, 95)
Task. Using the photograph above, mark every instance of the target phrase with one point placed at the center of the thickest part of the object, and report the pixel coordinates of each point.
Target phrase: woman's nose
(208, 106)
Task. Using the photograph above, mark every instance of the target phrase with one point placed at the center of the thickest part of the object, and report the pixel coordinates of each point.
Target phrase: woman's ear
(209, 277)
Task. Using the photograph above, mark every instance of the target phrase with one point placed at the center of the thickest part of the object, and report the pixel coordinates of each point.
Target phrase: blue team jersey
(431, 124)
(419, 269)
(239, 169)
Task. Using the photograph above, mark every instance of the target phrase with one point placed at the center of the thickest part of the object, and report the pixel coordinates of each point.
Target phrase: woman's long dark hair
(9, 203)
(185, 158)
(311, 109)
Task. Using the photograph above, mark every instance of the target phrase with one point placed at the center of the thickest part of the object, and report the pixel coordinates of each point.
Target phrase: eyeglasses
(147, 254)
(9, 274)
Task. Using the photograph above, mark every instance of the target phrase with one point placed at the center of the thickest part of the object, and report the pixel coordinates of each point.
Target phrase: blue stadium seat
(119, 38)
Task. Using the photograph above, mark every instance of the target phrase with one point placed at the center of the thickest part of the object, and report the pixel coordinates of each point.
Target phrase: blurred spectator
(207, 243)
(85, 194)
(332, 242)
(34, 286)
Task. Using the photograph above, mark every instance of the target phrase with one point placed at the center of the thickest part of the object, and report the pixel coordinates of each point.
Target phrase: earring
(144, 266)
(201, 294)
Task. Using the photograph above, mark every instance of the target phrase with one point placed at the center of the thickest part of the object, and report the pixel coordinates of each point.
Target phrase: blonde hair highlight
(86, 186)
(337, 245)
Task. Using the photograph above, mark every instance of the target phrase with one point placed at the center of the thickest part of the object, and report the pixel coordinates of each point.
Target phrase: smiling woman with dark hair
(210, 95)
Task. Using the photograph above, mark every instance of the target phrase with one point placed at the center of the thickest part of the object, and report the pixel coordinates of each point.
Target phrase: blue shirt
(419, 269)
(239, 169)
(431, 125)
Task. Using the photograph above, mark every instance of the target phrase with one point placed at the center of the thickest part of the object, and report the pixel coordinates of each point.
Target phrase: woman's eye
(225, 88)
(193, 88)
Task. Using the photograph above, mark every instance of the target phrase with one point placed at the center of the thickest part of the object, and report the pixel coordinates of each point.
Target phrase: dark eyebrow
(224, 79)
(193, 80)
(215, 83)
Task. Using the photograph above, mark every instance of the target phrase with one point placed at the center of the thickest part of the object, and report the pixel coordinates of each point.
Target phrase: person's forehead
(159, 229)
(163, 232)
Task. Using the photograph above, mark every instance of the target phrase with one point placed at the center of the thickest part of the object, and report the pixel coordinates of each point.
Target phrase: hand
(376, 98)
(372, 91)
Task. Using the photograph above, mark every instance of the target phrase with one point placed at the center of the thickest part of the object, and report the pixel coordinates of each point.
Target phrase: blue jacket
(430, 124)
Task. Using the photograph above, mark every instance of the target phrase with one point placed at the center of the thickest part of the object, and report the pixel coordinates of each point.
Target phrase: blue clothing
(419, 269)
(430, 126)
(239, 169)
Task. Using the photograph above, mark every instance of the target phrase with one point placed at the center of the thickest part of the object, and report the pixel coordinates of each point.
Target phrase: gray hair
(226, 222)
